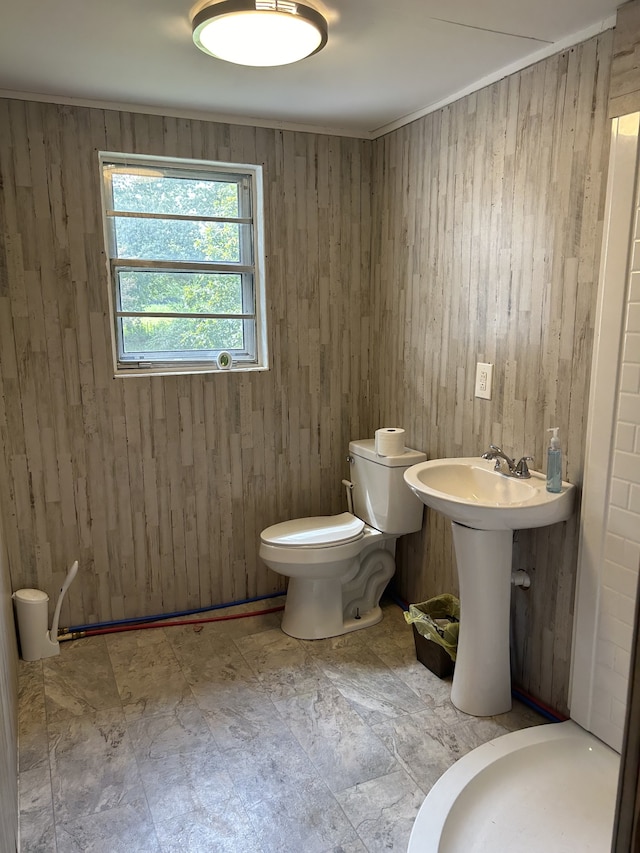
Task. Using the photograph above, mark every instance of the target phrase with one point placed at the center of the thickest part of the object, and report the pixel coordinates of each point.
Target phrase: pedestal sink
(485, 507)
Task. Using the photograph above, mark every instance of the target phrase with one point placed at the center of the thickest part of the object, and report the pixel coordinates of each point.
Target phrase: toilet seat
(338, 566)
(322, 531)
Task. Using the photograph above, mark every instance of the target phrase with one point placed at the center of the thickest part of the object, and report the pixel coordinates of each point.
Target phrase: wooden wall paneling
(491, 209)
(201, 580)
(352, 222)
(88, 413)
(132, 481)
(187, 408)
(160, 455)
(460, 287)
(234, 582)
(624, 91)
(247, 476)
(162, 485)
(364, 309)
(258, 452)
(8, 213)
(218, 485)
(311, 471)
(12, 520)
(174, 578)
(185, 489)
(151, 536)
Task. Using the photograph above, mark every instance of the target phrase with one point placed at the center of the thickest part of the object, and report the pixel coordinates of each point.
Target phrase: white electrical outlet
(484, 378)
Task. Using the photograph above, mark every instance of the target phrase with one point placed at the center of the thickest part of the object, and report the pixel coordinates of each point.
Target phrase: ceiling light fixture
(259, 32)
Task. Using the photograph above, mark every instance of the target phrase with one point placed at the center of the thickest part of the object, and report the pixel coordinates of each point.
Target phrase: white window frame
(255, 355)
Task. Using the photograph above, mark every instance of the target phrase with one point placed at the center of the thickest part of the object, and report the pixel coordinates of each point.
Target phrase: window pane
(192, 293)
(158, 337)
(166, 240)
(147, 192)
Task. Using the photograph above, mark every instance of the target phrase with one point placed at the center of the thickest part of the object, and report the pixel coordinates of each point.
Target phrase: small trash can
(436, 624)
(32, 615)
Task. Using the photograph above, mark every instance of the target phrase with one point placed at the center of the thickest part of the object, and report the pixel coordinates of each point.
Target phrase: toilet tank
(381, 498)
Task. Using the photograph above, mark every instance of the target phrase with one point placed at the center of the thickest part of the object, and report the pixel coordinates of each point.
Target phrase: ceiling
(386, 61)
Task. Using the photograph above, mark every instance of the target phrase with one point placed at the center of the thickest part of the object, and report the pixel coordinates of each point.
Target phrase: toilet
(339, 565)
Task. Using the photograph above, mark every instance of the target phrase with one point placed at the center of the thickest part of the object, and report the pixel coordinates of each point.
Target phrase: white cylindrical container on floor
(32, 615)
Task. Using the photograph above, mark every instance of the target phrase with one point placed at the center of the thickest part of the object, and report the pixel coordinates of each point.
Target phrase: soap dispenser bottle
(554, 463)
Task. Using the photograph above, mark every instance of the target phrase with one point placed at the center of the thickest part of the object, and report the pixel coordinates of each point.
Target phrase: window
(184, 246)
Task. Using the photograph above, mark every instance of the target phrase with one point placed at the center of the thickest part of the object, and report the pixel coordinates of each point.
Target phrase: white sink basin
(470, 492)
(485, 507)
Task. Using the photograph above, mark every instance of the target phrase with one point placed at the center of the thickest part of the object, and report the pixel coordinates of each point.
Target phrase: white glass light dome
(259, 32)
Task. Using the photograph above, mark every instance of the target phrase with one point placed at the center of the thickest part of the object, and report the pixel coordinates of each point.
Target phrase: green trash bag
(437, 619)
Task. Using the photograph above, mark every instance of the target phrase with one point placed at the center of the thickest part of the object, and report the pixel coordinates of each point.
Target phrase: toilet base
(314, 610)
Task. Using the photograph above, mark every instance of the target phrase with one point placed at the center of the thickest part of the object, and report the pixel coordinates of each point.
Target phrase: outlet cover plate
(484, 380)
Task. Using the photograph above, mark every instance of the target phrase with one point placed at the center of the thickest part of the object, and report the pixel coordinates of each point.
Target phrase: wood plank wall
(160, 486)
(486, 230)
(624, 90)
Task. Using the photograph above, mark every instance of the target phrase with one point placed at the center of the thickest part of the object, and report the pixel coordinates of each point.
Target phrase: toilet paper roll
(389, 441)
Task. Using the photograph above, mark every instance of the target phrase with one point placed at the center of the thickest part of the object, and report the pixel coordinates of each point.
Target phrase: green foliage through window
(181, 242)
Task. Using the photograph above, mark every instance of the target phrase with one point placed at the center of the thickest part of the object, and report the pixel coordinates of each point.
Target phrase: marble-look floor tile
(234, 737)
(92, 765)
(305, 818)
(186, 782)
(125, 646)
(180, 766)
(211, 662)
(326, 646)
(368, 684)
(37, 835)
(183, 731)
(449, 727)
(147, 674)
(383, 810)
(422, 756)
(520, 717)
(32, 717)
(126, 828)
(341, 747)
(36, 810)
(233, 701)
(282, 664)
(479, 730)
(269, 767)
(239, 714)
(392, 630)
(460, 733)
(80, 680)
(432, 691)
(198, 642)
(355, 846)
(141, 649)
(226, 829)
(160, 691)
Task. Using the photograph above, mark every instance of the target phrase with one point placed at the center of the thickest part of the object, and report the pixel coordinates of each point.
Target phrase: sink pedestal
(482, 676)
(485, 507)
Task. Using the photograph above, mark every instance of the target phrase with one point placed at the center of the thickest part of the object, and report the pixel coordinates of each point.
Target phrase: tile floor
(234, 737)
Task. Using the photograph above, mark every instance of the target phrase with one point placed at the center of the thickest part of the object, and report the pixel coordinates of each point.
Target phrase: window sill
(129, 372)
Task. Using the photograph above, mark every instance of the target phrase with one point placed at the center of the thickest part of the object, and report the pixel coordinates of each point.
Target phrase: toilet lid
(318, 531)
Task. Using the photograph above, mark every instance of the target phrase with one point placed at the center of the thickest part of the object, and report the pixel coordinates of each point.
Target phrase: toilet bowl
(338, 566)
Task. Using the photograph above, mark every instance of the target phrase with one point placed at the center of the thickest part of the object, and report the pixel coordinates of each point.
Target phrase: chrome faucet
(518, 469)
